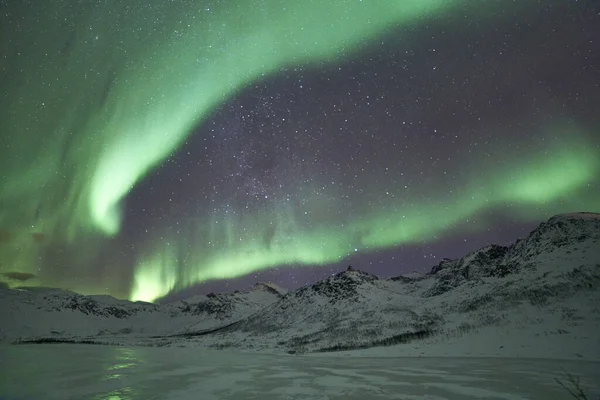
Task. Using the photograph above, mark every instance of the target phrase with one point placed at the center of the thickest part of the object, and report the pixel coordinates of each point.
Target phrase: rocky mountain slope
(537, 297)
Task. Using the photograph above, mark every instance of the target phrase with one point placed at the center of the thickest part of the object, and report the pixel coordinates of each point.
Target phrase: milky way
(152, 146)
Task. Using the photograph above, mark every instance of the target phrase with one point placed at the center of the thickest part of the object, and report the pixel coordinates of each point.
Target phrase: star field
(255, 142)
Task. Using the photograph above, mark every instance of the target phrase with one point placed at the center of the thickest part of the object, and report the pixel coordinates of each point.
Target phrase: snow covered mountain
(351, 305)
(537, 297)
(220, 309)
(528, 299)
(61, 314)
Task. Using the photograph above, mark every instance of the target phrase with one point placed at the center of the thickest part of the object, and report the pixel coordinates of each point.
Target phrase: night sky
(169, 148)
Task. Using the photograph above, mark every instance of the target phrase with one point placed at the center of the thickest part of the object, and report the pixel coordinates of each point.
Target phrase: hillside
(64, 315)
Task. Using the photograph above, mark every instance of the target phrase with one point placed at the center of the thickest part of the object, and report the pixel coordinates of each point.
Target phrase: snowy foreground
(66, 371)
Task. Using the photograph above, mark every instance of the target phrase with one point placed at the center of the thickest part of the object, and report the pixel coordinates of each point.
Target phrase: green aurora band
(238, 247)
(106, 91)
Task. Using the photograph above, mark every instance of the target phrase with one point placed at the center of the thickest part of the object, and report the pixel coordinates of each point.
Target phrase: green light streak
(541, 185)
(107, 90)
(215, 53)
(123, 84)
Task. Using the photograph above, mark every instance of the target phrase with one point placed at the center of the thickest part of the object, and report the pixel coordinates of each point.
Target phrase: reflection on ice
(121, 373)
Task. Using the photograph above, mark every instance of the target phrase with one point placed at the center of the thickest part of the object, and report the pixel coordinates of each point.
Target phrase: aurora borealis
(152, 146)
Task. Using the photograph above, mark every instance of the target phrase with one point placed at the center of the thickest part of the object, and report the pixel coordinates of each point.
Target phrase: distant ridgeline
(541, 292)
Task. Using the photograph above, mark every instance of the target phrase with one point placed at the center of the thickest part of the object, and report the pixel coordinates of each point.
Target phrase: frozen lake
(119, 373)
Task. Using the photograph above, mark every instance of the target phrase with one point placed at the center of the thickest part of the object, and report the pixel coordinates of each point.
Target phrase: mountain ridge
(546, 286)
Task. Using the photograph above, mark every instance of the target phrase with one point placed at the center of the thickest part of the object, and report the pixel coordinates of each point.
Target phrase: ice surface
(127, 373)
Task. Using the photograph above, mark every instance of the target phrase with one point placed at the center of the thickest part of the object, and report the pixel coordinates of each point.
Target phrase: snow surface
(129, 373)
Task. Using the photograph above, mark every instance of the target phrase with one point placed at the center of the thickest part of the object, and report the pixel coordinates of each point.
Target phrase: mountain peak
(342, 285)
(559, 231)
(269, 288)
(568, 224)
(575, 216)
(563, 226)
(355, 275)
